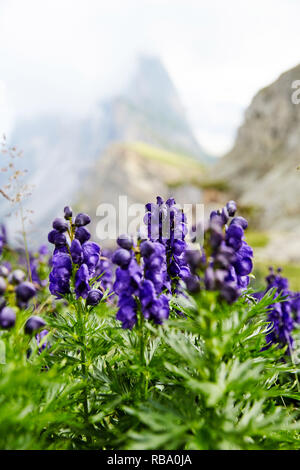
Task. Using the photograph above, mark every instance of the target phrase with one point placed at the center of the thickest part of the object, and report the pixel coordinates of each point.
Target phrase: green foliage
(223, 392)
(166, 157)
(200, 381)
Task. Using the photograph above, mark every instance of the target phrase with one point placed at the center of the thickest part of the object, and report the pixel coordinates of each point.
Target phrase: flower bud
(60, 225)
(231, 208)
(125, 241)
(25, 291)
(147, 248)
(57, 238)
(82, 234)
(68, 212)
(82, 219)
(7, 318)
(225, 215)
(239, 221)
(121, 257)
(33, 324)
(94, 297)
(192, 284)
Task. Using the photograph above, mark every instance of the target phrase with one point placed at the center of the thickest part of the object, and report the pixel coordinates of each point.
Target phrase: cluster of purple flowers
(127, 283)
(13, 282)
(150, 272)
(283, 315)
(225, 261)
(155, 304)
(75, 258)
(140, 284)
(166, 224)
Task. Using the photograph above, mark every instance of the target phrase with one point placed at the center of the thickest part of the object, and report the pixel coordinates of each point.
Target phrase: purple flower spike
(78, 257)
(226, 259)
(284, 315)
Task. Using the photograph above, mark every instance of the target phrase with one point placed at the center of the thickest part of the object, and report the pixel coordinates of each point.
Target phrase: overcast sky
(65, 55)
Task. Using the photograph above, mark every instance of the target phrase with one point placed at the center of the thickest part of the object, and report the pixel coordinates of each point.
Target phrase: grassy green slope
(258, 240)
(165, 156)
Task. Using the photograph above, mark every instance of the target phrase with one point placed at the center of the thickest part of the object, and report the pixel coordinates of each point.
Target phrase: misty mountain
(141, 172)
(59, 151)
(150, 110)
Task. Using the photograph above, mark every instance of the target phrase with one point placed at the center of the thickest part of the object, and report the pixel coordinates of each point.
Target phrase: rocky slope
(261, 169)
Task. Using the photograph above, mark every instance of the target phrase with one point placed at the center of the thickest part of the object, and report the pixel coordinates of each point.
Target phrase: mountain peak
(150, 110)
(151, 84)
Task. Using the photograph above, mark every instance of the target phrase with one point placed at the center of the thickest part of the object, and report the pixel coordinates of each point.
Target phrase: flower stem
(82, 334)
(144, 379)
(142, 344)
(85, 400)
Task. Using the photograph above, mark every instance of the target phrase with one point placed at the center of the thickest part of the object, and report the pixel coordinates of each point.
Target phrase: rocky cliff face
(262, 166)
